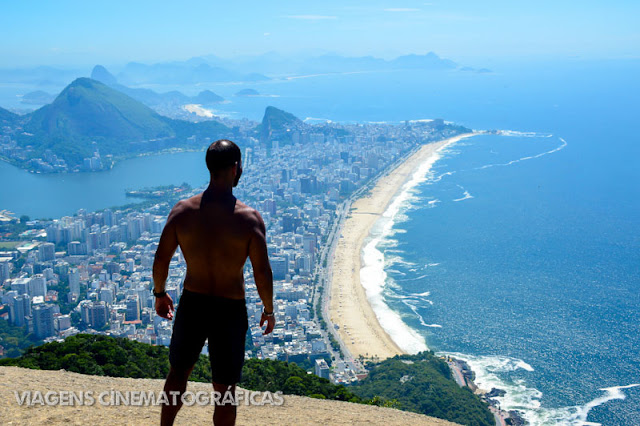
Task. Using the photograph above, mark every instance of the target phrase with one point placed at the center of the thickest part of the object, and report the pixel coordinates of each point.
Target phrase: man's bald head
(221, 155)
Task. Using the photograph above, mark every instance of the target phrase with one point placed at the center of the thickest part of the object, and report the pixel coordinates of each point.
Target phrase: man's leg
(225, 414)
(187, 340)
(176, 382)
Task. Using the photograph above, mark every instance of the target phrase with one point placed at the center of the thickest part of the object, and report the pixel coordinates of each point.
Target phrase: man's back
(214, 233)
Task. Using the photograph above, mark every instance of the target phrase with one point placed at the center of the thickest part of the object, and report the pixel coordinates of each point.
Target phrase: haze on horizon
(77, 33)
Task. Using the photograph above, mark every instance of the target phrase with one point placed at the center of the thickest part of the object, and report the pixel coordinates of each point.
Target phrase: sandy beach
(349, 307)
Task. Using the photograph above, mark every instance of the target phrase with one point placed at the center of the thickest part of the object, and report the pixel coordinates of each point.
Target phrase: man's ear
(238, 173)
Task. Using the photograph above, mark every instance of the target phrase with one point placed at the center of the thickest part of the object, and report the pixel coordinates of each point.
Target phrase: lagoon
(56, 195)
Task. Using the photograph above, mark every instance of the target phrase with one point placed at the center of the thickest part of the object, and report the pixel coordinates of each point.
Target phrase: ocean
(519, 252)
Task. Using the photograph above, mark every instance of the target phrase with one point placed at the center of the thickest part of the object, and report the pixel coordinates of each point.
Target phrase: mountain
(7, 117)
(150, 97)
(40, 76)
(311, 62)
(278, 125)
(101, 74)
(146, 96)
(88, 109)
(207, 97)
(38, 97)
(189, 72)
(247, 93)
(428, 61)
(277, 119)
(88, 112)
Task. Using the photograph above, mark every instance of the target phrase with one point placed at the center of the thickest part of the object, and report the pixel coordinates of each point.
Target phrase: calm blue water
(57, 195)
(532, 275)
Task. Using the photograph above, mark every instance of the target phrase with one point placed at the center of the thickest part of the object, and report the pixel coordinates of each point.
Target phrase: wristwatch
(161, 294)
(268, 314)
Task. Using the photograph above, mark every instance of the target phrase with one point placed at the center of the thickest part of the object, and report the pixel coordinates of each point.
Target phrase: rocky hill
(7, 117)
(89, 115)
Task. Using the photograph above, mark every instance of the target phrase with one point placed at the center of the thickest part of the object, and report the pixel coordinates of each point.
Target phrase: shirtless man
(216, 233)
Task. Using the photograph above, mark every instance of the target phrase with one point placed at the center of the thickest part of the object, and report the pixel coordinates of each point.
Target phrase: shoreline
(116, 160)
(358, 325)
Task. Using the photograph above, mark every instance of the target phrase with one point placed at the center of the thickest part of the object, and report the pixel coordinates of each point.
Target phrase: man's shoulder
(186, 205)
(248, 213)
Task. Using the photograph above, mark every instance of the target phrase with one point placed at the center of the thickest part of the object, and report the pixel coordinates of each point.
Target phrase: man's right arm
(259, 257)
(166, 247)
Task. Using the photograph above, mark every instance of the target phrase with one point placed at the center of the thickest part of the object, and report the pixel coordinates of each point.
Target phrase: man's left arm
(166, 248)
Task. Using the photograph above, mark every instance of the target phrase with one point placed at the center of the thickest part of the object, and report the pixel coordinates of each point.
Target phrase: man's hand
(164, 307)
(270, 320)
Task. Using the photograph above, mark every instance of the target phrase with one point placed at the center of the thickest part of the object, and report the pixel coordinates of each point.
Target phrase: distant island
(39, 97)
(158, 191)
(247, 93)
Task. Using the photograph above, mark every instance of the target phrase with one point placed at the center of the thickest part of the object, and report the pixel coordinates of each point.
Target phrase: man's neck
(218, 191)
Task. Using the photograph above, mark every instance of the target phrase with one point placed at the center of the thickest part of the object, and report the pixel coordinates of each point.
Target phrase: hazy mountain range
(213, 69)
(150, 97)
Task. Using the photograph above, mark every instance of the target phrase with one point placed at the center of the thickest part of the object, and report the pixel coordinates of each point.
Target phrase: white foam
(562, 146)
(527, 400)
(373, 279)
(515, 133)
(414, 308)
(409, 279)
(317, 120)
(373, 276)
(488, 370)
(580, 417)
(524, 366)
(440, 177)
(466, 196)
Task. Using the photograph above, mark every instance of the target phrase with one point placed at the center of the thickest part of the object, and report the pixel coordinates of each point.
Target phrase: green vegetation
(268, 375)
(104, 356)
(278, 119)
(10, 245)
(275, 124)
(423, 383)
(88, 111)
(15, 339)
(10, 231)
(7, 117)
(107, 356)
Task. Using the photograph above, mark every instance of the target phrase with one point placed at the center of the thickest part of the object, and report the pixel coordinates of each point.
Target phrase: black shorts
(223, 321)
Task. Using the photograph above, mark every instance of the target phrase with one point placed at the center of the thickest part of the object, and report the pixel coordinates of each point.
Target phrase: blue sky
(115, 32)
